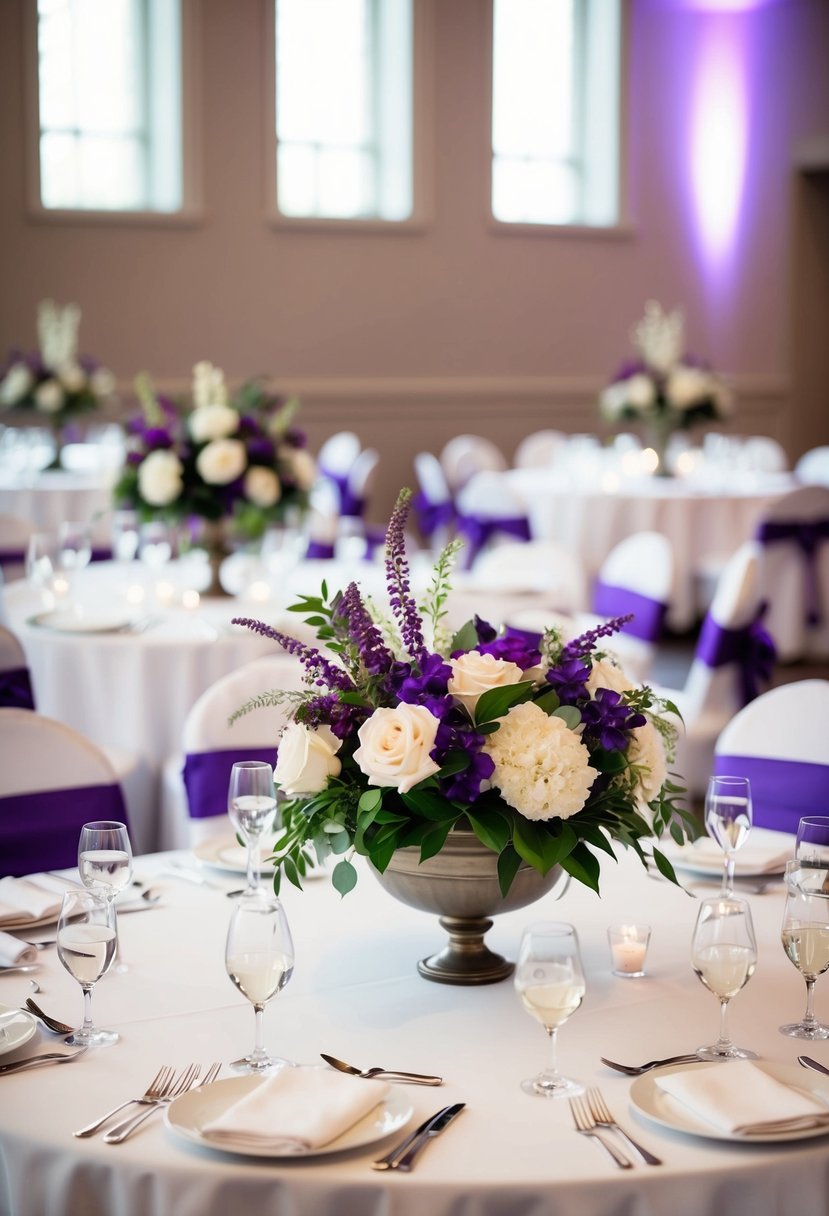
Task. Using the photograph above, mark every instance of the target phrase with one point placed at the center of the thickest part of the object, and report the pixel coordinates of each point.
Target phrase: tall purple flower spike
(402, 604)
(325, 674)
(362, 631)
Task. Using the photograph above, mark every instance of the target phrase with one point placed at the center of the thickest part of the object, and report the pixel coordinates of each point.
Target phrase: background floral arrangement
(405, 731)
(664, 384)
(55, 380)
(239, 459)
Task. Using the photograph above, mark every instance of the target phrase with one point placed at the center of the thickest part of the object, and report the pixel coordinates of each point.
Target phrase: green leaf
(344, 877)
(465, 639)
(664, 866)
(526, 839)
(430, 805)
(608, 761)
(548, 701)
(491, 827)
(583, 866)
(569, 715)
(291, 872)
(496, 701)
(508, 863)
(456, 762)
(382, 854)
(340, 843)
(370, 800)
(434, 841)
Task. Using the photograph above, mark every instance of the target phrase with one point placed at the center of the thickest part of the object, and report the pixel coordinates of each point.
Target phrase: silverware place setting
(636, 1070)
(393, 1074)
(601, 1114)
(53, 1024)
(403, 1155)
(50, 1057)
(179, 1085)
(586, 1125)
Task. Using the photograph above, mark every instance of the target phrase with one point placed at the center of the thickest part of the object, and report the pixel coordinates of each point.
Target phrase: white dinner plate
(658, 1106)
(16, 1028)
(68, 621)
(190, 1113)
(21, 922)
(225, 853)
(704, 856)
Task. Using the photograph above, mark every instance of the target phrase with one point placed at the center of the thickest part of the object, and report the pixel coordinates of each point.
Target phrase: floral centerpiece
(238, 462)
(55, 380)
(547, 753)
(664, 388)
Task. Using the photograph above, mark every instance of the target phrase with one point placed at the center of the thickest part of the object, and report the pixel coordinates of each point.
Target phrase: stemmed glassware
(724, 956)
(728, 819)
(251, 803)
(812, 842)
(549, 979)
(805, 937)
(259, 958)
(86, 942)
(105, 861)
(43, 567)
(75, 546)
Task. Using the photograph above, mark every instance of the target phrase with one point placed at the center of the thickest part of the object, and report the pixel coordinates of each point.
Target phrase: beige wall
(411, 337)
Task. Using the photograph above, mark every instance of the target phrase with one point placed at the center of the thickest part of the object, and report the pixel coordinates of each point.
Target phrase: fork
(48, 1021)
(586, 1126)
(154, 1091)
(636, 1070)
(601, 1113)
(180, 1086)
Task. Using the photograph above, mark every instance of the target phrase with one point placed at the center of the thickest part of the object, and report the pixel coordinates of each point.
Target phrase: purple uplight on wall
(719, 135)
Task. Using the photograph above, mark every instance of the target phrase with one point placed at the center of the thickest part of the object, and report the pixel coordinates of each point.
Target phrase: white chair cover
(338, 453)
(794, 583)
(813, 467)
(489, 512)
(539, 450)
(761, 454)
(545, 567)
(466, 455)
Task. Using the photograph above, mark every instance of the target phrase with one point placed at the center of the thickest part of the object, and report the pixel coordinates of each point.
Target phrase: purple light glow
(718, 137)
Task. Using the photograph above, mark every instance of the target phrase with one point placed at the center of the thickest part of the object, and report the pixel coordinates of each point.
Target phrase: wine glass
(805, 937)
(728, 819)
(550, 982)
(75, 546)
(43, 567)
(251, 803)
(155, 544)
(124, 535)
(724, 956)
(812, 842)
(86, 942)
(105, 862)
(259, 958)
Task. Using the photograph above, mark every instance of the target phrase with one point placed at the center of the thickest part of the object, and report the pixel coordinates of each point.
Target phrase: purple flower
(362, 632)
(608, 720)
(157, 437)
(485, 631)
(586, 642)
(569, 679)
(512, 650)
(402, 604)
(323, 672)
(261, 450)
(454, 734)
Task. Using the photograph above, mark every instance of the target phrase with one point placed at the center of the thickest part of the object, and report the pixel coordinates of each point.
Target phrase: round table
(356, 994)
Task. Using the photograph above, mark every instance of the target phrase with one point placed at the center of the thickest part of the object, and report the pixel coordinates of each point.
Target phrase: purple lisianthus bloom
(569, 679)
(512, 650)
(157, 437)
(456, 734)
(261, 450)
(485, 631)
(134, 459)
(607, 719)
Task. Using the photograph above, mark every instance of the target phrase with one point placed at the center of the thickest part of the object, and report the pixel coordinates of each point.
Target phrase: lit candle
(629, 948)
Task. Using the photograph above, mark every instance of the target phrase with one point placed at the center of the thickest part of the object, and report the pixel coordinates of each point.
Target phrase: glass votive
(628, 949)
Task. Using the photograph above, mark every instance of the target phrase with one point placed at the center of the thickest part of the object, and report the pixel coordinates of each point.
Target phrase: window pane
(534, 192)
(533, 77)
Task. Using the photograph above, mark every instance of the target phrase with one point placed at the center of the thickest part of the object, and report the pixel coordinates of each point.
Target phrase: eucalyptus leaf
(548, 701)
(569, 715)
(465, 639)
(344, 877)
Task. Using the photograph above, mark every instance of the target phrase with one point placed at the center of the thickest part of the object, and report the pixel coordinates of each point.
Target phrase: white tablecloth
(355, 993)
(53, 496)
(705, 525)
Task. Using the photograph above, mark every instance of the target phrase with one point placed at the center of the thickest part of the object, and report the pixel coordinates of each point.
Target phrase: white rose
(474, 673)
(614, 399)
(302, 466)
(16, 384)
(160, 478)
(641, 392)
(395, 745)
(262, 486)
(213, 422)
(102, 382)
(542, 768)
(222, 461)
(305, 759)
(49, 396)
(606, 673)
(646, 752)
(687, 387)
(72, 377)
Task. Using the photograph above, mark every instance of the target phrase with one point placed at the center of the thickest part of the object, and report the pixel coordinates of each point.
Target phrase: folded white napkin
(752, 858)
(31, 898)
(14, 952)
(296, 1110)
(736, 1093)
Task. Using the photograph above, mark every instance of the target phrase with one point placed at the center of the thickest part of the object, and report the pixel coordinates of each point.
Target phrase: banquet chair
(15, 534)
(539, 449)
(335, 461)
(15, 681)
(733, 655)
(762, 454)
(465, 455)
(779, 742)
(489, 510)
(812, 469)
(194, 782)
(432, 505)
(53, 780)
(354, 539)
(543, 566)
(794, 578)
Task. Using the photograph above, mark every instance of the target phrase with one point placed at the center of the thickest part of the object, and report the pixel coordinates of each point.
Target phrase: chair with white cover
(778, 742)
(732, 656)
(465, 455)
(15, 681)
(762, 454)
(432, 504)
(53, 780)
(355, 540)
(489, 510)
(15, 534)
(812, 469)
(539, 449)
(194, 783)
(335, 461)
(543, 566)
(794, 536)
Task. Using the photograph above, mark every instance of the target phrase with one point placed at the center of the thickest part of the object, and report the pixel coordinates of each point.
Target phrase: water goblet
(86, 942)
(724, 956)
(259, 958)
(43, 567)
(549, 979)
(155, 544)
(125, 533)
(251, 803)
(75, 546)
(812, 841)
(728, 818)
(805, 938)
(105, 862)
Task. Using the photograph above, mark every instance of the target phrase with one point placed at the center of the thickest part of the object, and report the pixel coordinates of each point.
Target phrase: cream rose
(306, 759)
(474, 673)
(72, 377)
(646, 752)
(605, 673)
(49, 396)
(302, 467)
(688, 386)
(222, 461)
(262, 486)
(614, 399)
(541, 766)
(15, 386)
(160, 478)
(641, 393)
(395, 745)
(102, 382)
(209, 386)
(213, 422)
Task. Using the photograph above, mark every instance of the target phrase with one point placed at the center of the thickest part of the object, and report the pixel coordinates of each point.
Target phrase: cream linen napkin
(752, 858)
(731, 1095)
(14, 952)
(296, 1110)
(31, 898)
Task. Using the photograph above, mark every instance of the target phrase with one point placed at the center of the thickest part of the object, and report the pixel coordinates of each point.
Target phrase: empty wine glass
(550, 982)
(43, 567)
(105, 862)
(75, 546)
(251, 803)
(125, 532)
(812, 842)
(728, 819)
(724, 956)
(86, 941)
(805, 937)
(259, 958)
(155, 544)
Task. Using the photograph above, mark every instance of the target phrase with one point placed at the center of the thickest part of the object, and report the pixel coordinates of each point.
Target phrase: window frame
(191, 210)
(624, 226)
(423, 143)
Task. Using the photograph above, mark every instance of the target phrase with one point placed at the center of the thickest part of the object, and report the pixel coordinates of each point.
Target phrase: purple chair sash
(807, 535)
(375, 539)
(12, 557)
(782, 791)
(206, 776)
(16, 690)
(648, 614)
(40, 831)
(350, 503)
(431, 516)
(320, 550)
(478, 529)
(750, 648)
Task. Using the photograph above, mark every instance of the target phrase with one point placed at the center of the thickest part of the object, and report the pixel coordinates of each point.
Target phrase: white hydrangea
(646, 753)
(542, 768)
(262, 486)
(222, 461)
(160, 478)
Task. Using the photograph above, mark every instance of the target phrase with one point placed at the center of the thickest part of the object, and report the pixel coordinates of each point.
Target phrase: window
(110, 105)
(344, 109)
(555, 111)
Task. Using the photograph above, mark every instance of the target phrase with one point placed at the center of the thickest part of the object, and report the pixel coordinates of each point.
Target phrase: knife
(389, 1161)
(437, 1125)
(808, 1062)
